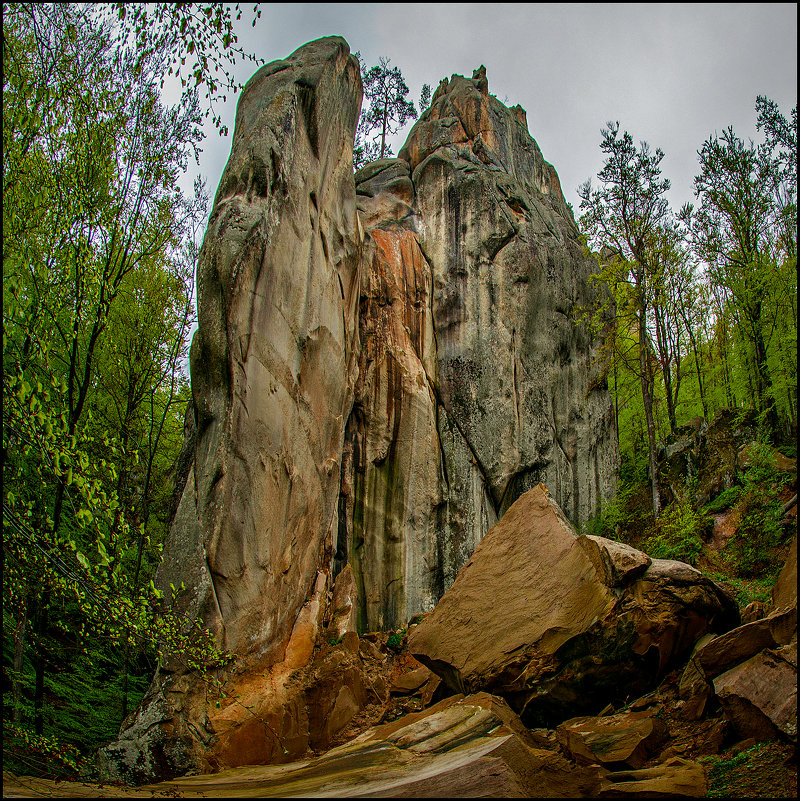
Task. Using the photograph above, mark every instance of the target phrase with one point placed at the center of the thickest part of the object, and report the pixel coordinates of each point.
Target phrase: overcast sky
(672, 75)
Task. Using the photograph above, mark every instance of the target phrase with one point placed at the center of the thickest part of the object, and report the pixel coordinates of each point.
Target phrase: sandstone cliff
(475, 383)
(382, 367)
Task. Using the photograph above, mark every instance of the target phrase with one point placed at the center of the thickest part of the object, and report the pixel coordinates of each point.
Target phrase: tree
(97, 265)
(732, 229)
(387, 110)
(424, 97)
(780, 152)
(201, 33)
(628, 216)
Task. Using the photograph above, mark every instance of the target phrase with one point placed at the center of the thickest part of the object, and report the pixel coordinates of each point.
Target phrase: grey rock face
(482, 385)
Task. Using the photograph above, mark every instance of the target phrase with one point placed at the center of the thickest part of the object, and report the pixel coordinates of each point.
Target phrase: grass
(759, 772)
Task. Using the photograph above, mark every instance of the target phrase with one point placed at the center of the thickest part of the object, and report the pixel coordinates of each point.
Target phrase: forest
(696, 308)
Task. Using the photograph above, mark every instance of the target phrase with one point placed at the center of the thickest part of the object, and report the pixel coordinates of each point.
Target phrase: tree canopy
(99, 247)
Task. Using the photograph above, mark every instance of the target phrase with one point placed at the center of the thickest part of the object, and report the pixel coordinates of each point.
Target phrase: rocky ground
(659, 738)
(717, 719)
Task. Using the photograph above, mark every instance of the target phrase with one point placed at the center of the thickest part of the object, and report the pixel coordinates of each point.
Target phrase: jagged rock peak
(464, 118)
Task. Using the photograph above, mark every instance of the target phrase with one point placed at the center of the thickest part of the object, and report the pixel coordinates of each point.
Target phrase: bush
(677, 534)
(759, 531)
(396, 639)
(747, 590)
(725, 500)
(625, 513)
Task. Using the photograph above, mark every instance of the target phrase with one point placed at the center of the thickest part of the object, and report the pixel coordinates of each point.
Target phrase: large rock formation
(382, 366)
(475, 381)
(273, 366)
(583, 620)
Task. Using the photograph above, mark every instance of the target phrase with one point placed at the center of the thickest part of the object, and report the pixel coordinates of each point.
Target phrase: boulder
(619, 564)
(410, 682)
(563, 640)
(629, 737)
(759, 696)
(745, 641)
(676, 778)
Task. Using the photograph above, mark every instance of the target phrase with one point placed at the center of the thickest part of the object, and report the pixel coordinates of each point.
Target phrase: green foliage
(747, 590)
(26, 753)
(628, 512)
(396, 640)
(385, 110)
(697, 312)
(678, 534)
(725, 500)
(749, 774)
(759, 531)
(98, 255)
(424, 97)
(200, 33)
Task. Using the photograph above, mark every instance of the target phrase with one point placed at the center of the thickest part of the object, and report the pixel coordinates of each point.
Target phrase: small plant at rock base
(396, 639)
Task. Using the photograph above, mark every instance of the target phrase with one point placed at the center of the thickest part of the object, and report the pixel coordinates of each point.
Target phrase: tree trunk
(647, 400)
(664, 361)
(39, 665)
(19, 653)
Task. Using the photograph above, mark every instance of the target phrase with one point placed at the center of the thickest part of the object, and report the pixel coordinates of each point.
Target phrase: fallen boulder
(759, 696)
(676, 778)
(531, 617)
(627, 737)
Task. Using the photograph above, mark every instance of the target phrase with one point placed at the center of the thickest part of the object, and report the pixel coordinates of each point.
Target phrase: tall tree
(627, 215)
(386, 110)
(93, 225)
(732, 230)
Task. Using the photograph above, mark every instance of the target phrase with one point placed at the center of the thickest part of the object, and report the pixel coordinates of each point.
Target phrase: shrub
(677, 534)
(725, 500)
(747, 590)
(759, 531)
(396, 639)
(625, 512)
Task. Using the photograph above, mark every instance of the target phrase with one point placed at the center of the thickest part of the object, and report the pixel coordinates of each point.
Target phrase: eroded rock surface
(562, 640)
(462, 747)
(273, 366)
(475, 381)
